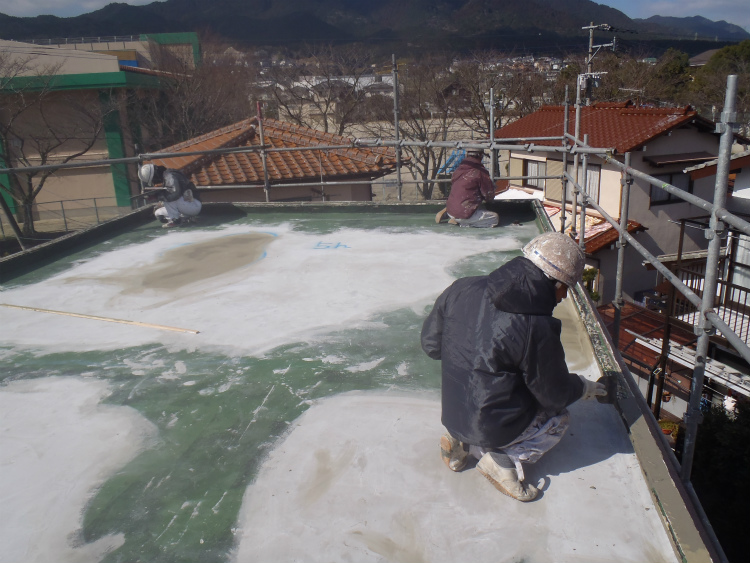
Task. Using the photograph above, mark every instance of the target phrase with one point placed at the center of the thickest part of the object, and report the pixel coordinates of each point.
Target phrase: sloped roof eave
(620, 127)
(283, 166)
(605, 239)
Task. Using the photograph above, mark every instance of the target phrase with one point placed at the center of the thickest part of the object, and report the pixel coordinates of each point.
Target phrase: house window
(678, 180)
(593, 173)
(535, 168)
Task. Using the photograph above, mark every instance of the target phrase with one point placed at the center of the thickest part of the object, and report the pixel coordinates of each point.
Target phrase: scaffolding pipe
(740, 346)
(576, 142)
(357, 182)
(716, 230)
(650, 258)
(396, 125)
(584, 199)
(491, 134)
(12, 221)
(667, 330)
(576, 159)
(263, 156)
(626, 180)
(720, 212)
(564, 142)
(509, 144)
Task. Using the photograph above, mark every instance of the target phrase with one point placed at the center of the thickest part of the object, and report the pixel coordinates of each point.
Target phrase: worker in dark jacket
(178, 197)
(505, 382)
(470, 186)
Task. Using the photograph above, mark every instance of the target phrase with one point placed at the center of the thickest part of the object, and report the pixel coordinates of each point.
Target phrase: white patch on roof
(58, 444)
(360, 478)
(305, 284)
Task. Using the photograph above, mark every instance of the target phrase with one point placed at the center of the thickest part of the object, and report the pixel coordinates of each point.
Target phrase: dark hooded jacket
(470, 185)
(502, 358)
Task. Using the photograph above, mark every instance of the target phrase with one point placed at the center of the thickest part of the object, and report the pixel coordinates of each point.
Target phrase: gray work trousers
(480, 219)
(540, 436)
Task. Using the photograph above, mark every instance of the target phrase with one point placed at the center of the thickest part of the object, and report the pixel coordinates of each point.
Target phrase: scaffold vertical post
(564, 179)
(396, 125)
(263, 155)
(715, 232)
(491, 135)
(622, 244)
(576, 161)
(583, 195)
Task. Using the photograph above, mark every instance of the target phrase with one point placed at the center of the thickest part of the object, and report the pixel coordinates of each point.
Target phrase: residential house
(702, 58)
(310, 174)
(662, 142)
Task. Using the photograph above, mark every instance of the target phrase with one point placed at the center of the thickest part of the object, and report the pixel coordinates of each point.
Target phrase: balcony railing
(732, 302)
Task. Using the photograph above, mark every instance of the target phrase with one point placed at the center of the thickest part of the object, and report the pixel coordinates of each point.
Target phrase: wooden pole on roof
(263, 156)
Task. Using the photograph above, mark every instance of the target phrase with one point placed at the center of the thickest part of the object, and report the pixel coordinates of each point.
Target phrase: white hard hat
(558, 256)
(146, 174)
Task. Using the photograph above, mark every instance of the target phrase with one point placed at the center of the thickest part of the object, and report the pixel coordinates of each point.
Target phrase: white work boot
(453, 452)
(504, 479)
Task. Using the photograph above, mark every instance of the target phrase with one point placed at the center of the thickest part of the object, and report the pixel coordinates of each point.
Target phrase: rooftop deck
(301, 421)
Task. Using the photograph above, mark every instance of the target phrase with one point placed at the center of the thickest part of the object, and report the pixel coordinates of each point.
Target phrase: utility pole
(590, 74)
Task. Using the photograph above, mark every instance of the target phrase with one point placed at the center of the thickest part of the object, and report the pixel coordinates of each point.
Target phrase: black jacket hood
(520, 287)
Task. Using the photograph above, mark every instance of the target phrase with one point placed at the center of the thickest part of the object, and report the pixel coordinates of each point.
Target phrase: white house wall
(663, 233)
(662, 221)
(609, 189)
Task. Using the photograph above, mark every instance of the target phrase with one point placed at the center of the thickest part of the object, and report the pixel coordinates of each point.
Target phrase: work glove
(592, 389)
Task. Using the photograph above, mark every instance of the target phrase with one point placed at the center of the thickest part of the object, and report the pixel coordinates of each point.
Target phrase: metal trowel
(610, 382)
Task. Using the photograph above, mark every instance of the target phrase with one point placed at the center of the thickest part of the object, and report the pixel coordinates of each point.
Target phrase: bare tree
(518, 89)
(323, 90)
(430, 101)
(643, 80)
(41, 126)
(195, 99)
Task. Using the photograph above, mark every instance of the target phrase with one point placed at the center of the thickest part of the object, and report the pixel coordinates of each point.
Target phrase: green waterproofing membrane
(160, 439)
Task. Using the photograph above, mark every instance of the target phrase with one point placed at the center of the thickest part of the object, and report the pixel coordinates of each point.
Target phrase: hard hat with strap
(558, 256)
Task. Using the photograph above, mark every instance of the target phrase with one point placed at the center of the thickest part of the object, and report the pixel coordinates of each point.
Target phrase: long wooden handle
(109, 320)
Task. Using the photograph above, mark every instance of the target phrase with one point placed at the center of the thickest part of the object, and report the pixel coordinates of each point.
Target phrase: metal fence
(80, 40)
(68, 215)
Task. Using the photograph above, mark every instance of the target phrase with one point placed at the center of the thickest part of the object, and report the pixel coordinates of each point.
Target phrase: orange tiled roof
(599, 232)
(621, 126)
(289, 166)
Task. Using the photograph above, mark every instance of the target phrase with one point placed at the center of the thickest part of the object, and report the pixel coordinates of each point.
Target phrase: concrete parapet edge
(691, 534)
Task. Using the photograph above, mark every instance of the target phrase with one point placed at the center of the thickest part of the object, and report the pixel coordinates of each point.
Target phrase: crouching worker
(179, 200)
(505, 384)
(470, 186)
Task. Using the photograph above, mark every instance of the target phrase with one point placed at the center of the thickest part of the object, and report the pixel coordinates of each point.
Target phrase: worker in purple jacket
(470, 186)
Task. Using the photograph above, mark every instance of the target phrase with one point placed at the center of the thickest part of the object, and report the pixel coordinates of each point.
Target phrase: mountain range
(425, 24)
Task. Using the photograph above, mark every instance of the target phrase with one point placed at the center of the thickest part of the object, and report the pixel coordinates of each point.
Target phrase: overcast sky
(734, 11)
